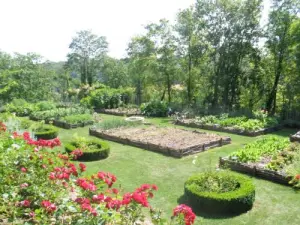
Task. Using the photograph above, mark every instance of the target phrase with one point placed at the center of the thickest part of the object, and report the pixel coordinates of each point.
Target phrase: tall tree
(281, 17)
(87, 52)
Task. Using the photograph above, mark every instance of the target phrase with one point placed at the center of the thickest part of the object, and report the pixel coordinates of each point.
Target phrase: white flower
(15, 146)
(194, 161)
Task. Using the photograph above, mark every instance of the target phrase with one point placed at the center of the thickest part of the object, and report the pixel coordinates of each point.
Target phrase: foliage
(155, 108)
(20, 107)
(79, 118)
(113, 124)
(92, 150)
(258, 122)
(87, 50)
(253, 152)
(55, 114)
(220, 192)
(44, 105)
(45, 132)
(285, 157)
(108, 98)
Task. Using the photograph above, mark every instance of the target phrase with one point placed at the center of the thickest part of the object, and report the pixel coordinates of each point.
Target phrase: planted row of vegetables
(270, 157)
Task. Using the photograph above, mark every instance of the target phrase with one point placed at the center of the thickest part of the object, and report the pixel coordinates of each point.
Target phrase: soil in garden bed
(172, 141)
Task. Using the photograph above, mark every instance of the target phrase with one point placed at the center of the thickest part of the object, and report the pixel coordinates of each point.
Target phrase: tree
(141, 52)
(162, 35)
(281, 17)
(114, 73)
(232, 28)
(87, 52)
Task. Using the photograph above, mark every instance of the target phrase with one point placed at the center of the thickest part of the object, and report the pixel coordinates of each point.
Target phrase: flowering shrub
(38, 186)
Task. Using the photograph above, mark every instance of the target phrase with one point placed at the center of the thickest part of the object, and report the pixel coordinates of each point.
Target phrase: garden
(89, 155)
(197, 124)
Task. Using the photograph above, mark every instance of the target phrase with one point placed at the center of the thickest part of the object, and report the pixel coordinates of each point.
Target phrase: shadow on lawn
(207, 214)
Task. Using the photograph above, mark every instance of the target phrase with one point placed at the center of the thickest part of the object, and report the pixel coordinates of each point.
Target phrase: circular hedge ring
(46, 132)
(92, 149)
(220, 192)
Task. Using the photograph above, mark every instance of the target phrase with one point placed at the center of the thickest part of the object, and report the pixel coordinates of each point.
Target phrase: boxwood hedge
(46, 132)
(233, 200)
(92, 150)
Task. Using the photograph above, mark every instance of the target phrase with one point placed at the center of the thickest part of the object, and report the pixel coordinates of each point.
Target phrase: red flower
(115, 191)
(82, 167)
(25, 203)
(76, 153)
(50, 207)
(108, 178)
(297, 177)
(189, 216)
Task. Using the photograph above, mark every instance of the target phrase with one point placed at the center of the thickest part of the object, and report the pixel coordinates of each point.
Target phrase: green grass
(274, 204)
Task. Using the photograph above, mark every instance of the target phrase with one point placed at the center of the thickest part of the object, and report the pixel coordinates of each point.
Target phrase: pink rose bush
(39, 186)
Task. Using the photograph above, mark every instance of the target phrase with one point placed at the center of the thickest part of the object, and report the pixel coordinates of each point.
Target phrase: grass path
(275, 204)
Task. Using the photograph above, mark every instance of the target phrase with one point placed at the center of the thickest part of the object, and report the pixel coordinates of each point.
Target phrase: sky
(46, 27)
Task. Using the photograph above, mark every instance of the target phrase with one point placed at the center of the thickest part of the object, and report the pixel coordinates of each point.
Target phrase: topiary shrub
(45, 132)
(92, 149)
(220, 192)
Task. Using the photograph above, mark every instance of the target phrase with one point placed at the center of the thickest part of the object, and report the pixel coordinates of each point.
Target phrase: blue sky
(47, 26)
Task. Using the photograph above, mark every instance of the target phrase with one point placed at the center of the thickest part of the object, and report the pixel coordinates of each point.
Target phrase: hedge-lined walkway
(275, 204)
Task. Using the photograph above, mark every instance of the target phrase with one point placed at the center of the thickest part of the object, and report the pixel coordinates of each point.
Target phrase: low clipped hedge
(93, 150)
(237, 200)
(46, 132)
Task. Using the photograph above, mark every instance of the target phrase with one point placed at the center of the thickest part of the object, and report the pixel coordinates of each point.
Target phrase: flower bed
(170, 141)
(42, 187)
(232, 130)
(120, 111)
(271, 158)
(90, 150)
(220, 192)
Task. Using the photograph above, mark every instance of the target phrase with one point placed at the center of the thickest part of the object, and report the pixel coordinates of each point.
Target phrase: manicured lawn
(275, 204)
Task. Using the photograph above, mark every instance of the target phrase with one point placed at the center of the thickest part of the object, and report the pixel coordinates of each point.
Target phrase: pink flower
(24, 185)
(23, 169)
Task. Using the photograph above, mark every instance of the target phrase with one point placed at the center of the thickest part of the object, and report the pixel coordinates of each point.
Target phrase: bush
(45, 132)
(155, 108)
(92, 149)
(220, 192)
(107, 98)
(20, 107)
(44, 105)
(76, 119)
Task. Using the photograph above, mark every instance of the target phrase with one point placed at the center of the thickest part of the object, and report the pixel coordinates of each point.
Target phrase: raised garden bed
(120, 111)
(169, 141)
(254, 170)
(191, 123)
(66, 125)
(271, 158)
(295, 137)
